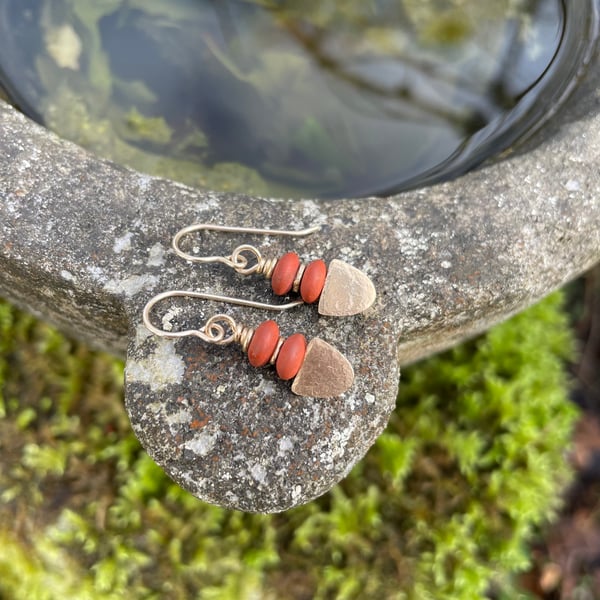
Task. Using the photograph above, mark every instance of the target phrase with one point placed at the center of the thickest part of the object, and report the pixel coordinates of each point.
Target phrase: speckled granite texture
(85, 243)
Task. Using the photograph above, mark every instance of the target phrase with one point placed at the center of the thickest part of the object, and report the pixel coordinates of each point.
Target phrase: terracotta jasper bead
(313, 281)
(291, 356)
(284, 273)
(263, 343)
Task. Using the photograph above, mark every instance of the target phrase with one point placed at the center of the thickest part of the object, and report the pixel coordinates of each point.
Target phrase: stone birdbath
(85, 244)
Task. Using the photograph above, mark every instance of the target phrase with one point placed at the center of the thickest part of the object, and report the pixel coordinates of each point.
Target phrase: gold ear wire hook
(236, 260)
(315, 367)
(212, 331)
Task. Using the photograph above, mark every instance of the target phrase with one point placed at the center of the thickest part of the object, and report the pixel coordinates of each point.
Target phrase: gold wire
(296, 284)
(275, 354)
(244, 336)
(231, 261)
(267, 266)
(212, 332)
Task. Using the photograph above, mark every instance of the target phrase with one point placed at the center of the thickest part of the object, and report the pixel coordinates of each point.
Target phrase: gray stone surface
(85, 243)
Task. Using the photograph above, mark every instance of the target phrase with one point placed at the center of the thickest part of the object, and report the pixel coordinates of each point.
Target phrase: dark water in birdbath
(316, 98)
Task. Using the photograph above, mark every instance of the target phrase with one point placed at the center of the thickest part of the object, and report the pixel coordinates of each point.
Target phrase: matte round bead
(284, 273)
(291, 356)
(313, 281)
(263, 343)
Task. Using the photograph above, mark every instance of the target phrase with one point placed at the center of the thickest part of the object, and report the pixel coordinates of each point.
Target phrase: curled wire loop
(219, 329)
(244, 259)
(215, 332)
(242, 264)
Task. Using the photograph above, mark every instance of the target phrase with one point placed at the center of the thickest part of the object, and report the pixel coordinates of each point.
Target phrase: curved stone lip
(84, 243)
(455, 257)
(47, 183)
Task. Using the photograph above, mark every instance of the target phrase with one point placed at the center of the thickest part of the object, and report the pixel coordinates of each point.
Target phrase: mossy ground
(442, 507)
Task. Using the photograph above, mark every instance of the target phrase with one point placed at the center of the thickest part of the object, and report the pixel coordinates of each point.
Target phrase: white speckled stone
(84, 243)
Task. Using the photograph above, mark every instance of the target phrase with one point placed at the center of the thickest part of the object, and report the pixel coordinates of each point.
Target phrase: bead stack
(340, 289)
(318, 369)
(266, 346)
(290, 276)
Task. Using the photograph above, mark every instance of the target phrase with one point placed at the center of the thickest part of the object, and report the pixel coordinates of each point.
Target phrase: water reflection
(335, 99)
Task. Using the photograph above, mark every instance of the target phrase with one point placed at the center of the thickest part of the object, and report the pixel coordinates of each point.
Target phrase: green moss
(150, 129)
(451, 27)
(470, 466)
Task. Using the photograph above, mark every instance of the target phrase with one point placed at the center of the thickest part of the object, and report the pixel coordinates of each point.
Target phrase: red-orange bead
(284, 273)
(291, 356)
(263, 343)
(313, 281)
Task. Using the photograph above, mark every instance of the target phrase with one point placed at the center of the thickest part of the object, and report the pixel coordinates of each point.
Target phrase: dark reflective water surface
(333, 99)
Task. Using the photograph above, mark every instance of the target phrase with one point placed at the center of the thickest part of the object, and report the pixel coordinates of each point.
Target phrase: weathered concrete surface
(85, 243)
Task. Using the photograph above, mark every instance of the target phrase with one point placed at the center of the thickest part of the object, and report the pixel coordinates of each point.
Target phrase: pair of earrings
(316, 368)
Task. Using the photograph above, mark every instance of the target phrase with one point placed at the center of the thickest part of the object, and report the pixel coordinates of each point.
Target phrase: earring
(316, 368)
(342, 290)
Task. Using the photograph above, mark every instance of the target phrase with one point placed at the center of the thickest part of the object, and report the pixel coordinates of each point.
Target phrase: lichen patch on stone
(67, 275)
(132, 285)
(175, 420)
(258, 472)
(156, 255)
(285, 446)
(123, 243)
(202, 443)
(159, 369)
